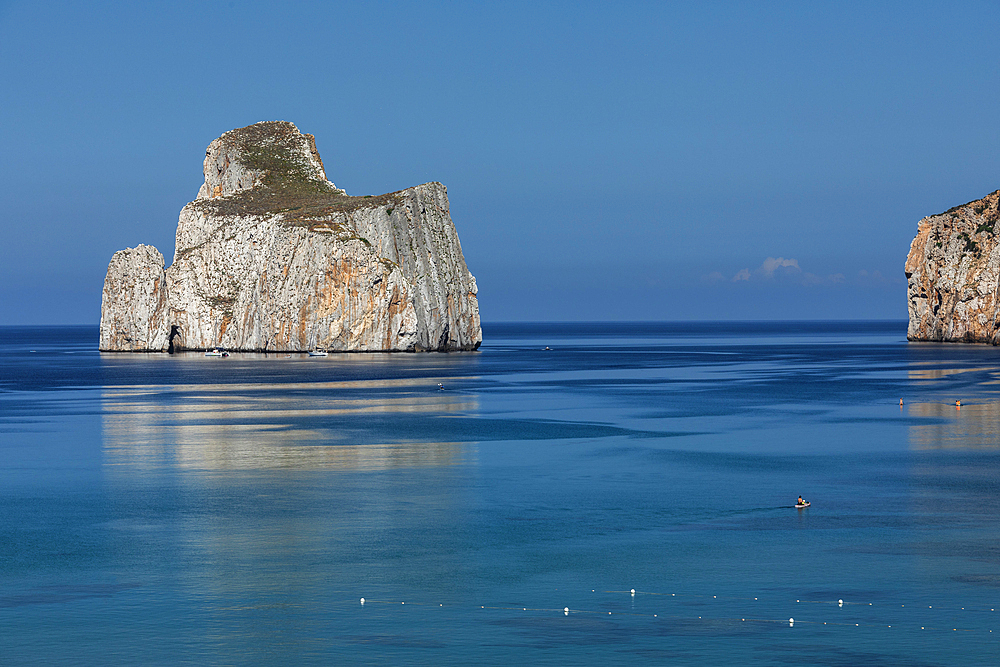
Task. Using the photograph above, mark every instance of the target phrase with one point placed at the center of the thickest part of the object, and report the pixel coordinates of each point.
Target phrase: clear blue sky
(641, 161)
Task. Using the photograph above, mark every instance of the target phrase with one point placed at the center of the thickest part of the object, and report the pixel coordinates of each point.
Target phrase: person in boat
(801, 502)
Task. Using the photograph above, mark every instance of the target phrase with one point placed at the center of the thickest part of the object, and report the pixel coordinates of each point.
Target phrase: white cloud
(873, 278)
(713, 277)
(771, 264)
(767, 270)
(786, 270)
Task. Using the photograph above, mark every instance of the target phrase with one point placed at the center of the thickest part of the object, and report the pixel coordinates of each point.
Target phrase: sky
(604, 160)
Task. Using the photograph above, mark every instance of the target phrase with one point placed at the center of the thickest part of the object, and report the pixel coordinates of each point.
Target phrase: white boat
(318, 352)
(217, 352)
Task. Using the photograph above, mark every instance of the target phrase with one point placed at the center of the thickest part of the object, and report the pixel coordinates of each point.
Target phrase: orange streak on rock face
(226, 319)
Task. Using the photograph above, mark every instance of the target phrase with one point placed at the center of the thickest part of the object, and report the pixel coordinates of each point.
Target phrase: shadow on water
(62, 594)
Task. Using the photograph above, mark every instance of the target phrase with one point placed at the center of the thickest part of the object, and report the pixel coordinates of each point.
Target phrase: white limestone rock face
(134, 303)
(415, 232)
(953, 275)
(273, 257)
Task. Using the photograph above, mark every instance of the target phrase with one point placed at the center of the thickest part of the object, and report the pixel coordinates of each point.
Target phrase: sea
(572, 493)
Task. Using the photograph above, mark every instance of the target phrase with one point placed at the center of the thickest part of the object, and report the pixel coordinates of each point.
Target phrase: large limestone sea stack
(272, 256)
(953, 275)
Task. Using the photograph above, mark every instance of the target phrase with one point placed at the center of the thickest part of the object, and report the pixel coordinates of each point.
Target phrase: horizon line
(492, 322)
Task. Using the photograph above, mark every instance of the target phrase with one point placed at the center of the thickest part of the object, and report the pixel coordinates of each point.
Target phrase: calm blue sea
(163, 510)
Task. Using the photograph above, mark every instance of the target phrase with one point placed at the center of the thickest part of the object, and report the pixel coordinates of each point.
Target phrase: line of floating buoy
(839, 602)
(791, 620)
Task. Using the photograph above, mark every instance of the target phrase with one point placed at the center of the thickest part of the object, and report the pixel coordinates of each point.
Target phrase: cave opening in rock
(175, 332)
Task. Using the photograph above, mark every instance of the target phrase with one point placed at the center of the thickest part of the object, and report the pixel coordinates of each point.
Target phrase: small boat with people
(802, 503)
(216, 352)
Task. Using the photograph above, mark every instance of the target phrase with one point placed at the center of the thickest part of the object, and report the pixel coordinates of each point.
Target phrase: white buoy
(840, 602)
(633, 592)
(565, 610)
(791, 620)
(362, 600)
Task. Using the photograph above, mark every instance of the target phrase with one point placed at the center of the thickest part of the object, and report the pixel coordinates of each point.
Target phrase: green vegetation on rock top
(290, 183)
(956, 209)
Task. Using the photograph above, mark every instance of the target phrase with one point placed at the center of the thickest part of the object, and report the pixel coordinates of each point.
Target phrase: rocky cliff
(953, 275)
(271, 256)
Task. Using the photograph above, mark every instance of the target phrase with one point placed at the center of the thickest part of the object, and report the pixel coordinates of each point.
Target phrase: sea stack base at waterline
(271, 256)
(953, 275)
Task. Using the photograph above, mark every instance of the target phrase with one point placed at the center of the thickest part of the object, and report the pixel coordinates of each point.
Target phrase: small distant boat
(217, 352)
(801, 505)
(318, 352)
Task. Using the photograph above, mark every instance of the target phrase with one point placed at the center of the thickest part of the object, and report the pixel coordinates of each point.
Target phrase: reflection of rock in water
(941, 373)
(311, 426)
(975, 426)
